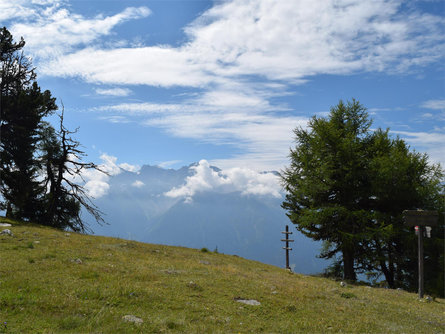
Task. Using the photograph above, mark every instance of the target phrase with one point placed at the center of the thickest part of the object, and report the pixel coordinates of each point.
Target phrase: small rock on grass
(5, 224)
(7, 232)
(248, 301)
(132, 318)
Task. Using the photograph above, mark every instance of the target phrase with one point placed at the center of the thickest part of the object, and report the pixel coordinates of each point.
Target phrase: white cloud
(264, 136)
(114, 91)
(51, 30)
(243, 180)
(237, 97)
(277, 40)
(142, 108)
(138, 184)
(18, 9)
(115, 119)
(155, 66)
(434, 104)
(129, 168)
(97, 188)
(167, 164)
(96, 182)
(109, 164)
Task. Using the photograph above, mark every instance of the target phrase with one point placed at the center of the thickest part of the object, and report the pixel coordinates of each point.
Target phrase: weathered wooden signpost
(287, 248)
(420, 219)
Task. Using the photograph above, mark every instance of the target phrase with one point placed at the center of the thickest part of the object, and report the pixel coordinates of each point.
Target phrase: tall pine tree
(327, 180)
(38, 165)
(22, 107)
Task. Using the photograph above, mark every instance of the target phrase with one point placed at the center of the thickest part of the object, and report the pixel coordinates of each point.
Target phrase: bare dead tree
(64, 168)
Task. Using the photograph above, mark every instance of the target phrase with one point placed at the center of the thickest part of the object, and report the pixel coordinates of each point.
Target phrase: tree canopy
(347, 186)
(35, 159)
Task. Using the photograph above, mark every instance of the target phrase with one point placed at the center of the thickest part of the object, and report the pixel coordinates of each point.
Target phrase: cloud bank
(97, 183)
(51, 30)
(205, 179)
(243, 180)
(277, 40)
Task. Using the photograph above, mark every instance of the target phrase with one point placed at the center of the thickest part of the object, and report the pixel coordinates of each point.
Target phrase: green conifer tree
(22, 106)
(348, 186)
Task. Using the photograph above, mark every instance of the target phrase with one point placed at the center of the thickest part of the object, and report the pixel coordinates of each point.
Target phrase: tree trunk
(390, 279)
(9, 210)
(389, 276)
(388, 271)
(348, 265)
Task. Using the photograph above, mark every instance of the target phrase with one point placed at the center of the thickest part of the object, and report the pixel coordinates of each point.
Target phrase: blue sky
(172, 82)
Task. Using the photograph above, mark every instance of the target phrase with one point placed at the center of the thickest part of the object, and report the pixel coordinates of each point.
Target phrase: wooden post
(420, 254)
(287, 248)
(421, 219)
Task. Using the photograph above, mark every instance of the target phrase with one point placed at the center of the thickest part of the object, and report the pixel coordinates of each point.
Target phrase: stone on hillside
(204, 262)
(78, 261)
(342, 284)
(5, 224)
(132, 318)
(248, 301)
(7, 232)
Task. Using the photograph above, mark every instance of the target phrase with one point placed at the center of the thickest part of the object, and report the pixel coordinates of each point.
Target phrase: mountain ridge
(248, 225)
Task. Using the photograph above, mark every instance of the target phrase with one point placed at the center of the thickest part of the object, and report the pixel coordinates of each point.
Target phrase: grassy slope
(43, 289)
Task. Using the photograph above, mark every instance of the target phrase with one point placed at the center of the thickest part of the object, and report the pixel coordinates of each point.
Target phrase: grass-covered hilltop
(53, 281)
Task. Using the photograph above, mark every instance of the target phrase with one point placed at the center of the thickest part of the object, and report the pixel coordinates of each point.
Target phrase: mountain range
(214, 214)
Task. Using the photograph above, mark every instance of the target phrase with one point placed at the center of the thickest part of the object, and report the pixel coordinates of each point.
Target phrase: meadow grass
(52, 281)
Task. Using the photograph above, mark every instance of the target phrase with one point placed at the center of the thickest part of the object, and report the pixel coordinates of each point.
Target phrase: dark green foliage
(32, 150)
(22, 106)
(348, 187)
(327, 181)
(401, 180)
(334, 270)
